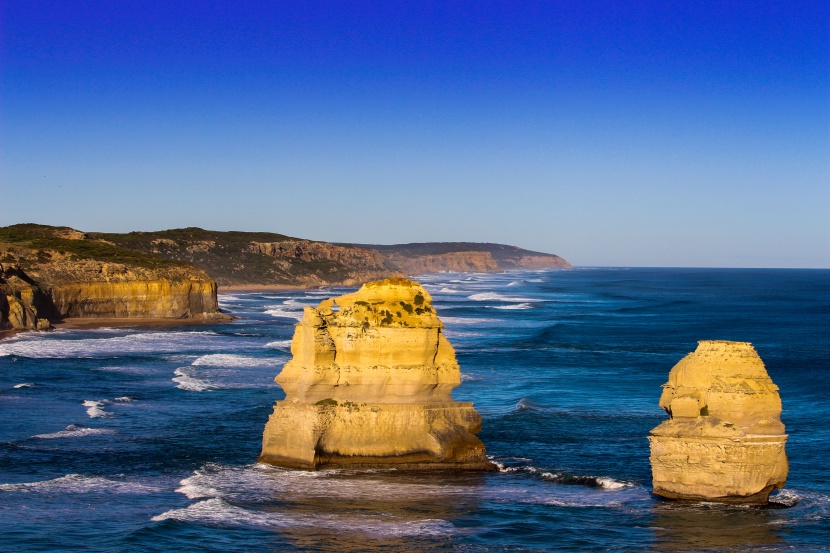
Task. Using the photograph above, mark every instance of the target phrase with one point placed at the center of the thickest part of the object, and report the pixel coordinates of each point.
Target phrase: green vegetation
(44, 239)
(327, 401)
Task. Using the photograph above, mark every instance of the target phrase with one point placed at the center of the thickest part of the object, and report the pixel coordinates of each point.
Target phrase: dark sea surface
(131, 439)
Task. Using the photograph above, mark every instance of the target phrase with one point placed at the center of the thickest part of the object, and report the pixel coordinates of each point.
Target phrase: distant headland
(52, 274)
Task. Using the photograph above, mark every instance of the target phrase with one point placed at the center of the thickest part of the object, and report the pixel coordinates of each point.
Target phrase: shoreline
(230, 288)
(119, 322)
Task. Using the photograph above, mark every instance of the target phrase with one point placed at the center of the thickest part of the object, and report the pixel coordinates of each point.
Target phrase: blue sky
(634, 133)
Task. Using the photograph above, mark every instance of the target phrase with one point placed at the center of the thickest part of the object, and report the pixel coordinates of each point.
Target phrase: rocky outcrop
(52, 273)
(724, 441)
(369, 386)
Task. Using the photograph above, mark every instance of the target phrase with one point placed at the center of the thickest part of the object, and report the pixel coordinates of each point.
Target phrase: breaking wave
(74, 431)
(76, 483)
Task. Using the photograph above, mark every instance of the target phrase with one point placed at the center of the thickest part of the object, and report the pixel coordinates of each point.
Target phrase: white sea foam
(286, 313)
(466, 320)
(73, 431)
(515, 306)
(55, 345)
(607, 483)
(76, 483)
(234, 360)
(514, 283)
(24, 385)
(217, 511)
(447, 290)
(95, 409)
(495, 296)
(279, 344)
(467, 377)
(185, 380)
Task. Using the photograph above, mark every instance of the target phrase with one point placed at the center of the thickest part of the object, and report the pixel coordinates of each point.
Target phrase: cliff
(262, 258)
(724, 441)
(51, 273)
(433, 257)
(369, 386)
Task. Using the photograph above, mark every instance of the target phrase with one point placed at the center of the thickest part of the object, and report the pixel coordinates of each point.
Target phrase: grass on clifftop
(43, 238)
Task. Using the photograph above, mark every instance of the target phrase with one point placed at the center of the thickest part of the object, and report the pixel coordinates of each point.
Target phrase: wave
(76, 483)
(515, 306)
(602, 482)
(95, 409)
(495, 296)
(279, 311)
(56, 345)
(186, 381)
(234, 360)
(74, 431)
(219, 512)
(466, 320)
(24, 385)
(279, 344)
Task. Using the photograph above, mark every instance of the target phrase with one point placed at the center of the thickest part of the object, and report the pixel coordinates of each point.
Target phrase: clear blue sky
(637, 133)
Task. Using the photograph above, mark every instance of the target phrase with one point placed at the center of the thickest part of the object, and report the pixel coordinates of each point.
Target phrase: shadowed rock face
(369, 385)
(725, 440)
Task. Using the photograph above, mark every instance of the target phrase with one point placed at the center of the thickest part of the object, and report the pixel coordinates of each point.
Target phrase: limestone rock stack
(724, 441)
(369, 386)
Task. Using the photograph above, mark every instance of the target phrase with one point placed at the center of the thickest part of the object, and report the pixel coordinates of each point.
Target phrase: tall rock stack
(369, 386)
(724, 441)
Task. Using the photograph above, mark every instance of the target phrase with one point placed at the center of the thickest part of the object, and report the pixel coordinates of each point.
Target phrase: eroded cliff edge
(48, 274)
(724, 440)
(369, 386)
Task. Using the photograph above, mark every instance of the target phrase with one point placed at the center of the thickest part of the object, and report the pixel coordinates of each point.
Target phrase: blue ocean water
(145, 439)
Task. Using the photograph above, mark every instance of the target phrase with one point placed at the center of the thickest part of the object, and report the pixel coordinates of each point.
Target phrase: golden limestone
(369, 386)
(724, 441)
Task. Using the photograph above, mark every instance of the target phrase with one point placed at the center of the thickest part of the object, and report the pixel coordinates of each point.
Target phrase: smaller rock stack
(724, 441)
(369, 386)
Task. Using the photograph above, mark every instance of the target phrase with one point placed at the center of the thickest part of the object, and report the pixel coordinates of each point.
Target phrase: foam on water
(95, 409)
(62, 346)
(185, 380)
(218, 512)
(234, 360)
(74, 431)
(24, 385)
(514, 306)
(466, 320)
(76, 483)
(284, 312)
(279, 344)
(495, 296)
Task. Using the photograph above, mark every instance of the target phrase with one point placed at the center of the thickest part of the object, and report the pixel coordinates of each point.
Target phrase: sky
(624, 133)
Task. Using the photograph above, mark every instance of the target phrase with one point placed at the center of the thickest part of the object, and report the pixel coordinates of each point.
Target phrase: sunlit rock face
(369, 386)
(724, 441)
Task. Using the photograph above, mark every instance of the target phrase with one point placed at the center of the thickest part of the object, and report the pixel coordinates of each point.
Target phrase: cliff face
(261, 258)
(725, 440)
(369, 386)
(433, 257)
(52, 273)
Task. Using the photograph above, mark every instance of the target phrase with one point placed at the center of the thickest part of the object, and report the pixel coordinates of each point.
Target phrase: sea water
(146, 439)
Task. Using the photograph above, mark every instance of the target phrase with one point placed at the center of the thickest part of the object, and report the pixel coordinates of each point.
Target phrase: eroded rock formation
(369, 386)
(724, 441)
(52, 273)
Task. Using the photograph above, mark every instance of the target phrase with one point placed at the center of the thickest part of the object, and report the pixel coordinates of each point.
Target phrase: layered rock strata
(724, 441)
(52, 273)
(369, 386)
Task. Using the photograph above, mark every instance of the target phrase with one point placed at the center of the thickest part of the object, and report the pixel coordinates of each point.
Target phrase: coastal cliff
(724, 440)
(254, 259)
(369, 386)
(51, 273)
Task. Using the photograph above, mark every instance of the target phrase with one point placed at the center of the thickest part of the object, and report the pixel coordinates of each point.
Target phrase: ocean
(145, 439)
